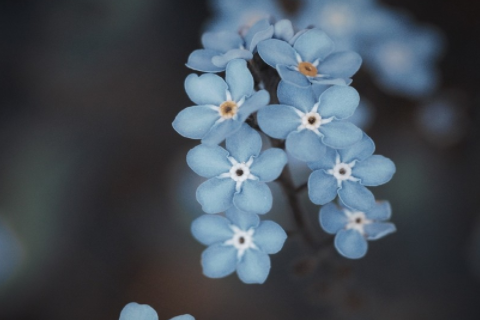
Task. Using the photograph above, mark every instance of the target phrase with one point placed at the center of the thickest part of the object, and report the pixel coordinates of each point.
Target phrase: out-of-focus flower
(135, 311)
(10, 252)
(364, 115)
(238, 242)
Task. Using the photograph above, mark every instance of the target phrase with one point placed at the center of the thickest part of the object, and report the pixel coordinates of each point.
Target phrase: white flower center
(229, 108)
(241, 240)
(239, 172)
(342, 171)
(312, 120)
(356, 220)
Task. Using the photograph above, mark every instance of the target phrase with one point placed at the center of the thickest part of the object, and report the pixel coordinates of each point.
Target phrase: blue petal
(322, 187)
(243, 220)
(219, 261)
(260, 31)
(356, 196)
(305, 145)
(207, 89)
(292, 76)
(239, 79)
(244, 144)
(254, 267)
(332, 219)
(284, 30)
(327, 162)
(378, 230)
(276, 52)
(314, 44)
(183, 317)
(215, 195)
(208, 161)
(278, 120)
(269, 237)
(222, 60)
(330, 81)
(210, 229)
(374, 171)
(220, 131)
(351, 244)
(201, 60)
(195, 122)
(380, 212)
(256, 102)
(341, 64)
(340, 134)
(269, 165)
(221, 41)
(359, 151)
(135, 311)
(339, 102)
(318, 89)
(299, 97)
(255, 197)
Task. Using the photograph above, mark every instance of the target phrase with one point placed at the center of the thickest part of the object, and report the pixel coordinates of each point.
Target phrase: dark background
(94, 185)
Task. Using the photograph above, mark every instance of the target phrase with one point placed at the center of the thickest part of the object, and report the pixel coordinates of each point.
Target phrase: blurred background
(96, 199)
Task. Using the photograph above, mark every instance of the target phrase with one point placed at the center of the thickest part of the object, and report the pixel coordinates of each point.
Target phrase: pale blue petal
(201, 60)
(259, 37)
(356, 196)
(219, 261)
(221, 41)
(377, 230)
(380, 212)
(244, 144)
(332, 218)
(305, 145)
(269, 165)
(207, 89)
(260, 31)
(276, 52)
(135, 311)
(300, 97)
(351, 244)
(359, 151)
(284, 30)
(374, 171)
(215, 195)
(210, 229)
(243, 220)
(195, 122)
(220, 131)
(269, 237)
(340, 134)
(222, 60)
(339, 102)
(183, 317)
(292, 76)
(208, 161)
(239, 79)
(341, 64)
(278, 120)
(326, 162)
(318, 89)
(256, 102)
(254, 267)
(330, 81)
(314, 44)
(255, 197)
(322, 187)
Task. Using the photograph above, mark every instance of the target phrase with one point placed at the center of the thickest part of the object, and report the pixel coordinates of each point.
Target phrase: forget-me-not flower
(135, 311)
(347, 172)
(310, 59)
(310, 124)
(238, 242)
(353, 228)
(237, 175)
(222, 105)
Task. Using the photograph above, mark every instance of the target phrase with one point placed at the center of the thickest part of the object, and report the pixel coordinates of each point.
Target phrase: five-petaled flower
(238, 242)
(135, 311)
(237, 175)
(353, 228)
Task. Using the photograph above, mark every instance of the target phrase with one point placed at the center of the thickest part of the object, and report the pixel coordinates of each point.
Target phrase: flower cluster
(311, 82)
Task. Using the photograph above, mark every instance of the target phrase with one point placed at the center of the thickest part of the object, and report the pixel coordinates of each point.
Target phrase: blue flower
(238, 242)
(310, 123)
(222, 105)
(353, 228)
(310, 60)
(237, 176)
(135, 311)
(347, 172)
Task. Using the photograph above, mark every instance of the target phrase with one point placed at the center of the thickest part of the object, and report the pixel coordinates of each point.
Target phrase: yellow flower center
(228, 109)
(307, 69)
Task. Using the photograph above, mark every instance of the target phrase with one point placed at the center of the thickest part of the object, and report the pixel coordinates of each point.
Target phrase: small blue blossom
(135, 311)
(353, 228)
(310, 59)
(222, 106)
(237, 175)
(309, 123)
(347, 172)
(238, 242)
